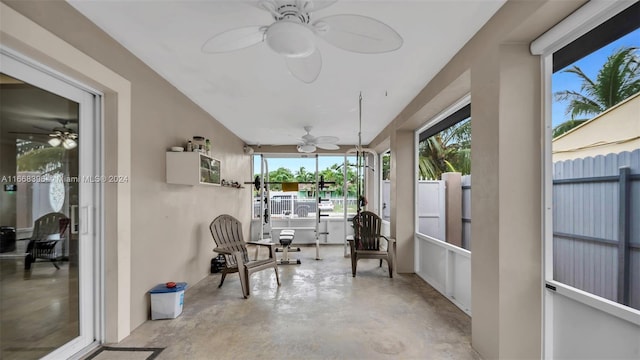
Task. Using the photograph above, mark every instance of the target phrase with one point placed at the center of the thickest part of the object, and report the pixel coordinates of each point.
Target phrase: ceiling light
(55, 141)
(69, 143)
(306, 148)
(291, 39)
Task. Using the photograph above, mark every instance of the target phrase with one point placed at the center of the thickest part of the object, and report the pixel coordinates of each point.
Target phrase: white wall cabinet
(192, 168)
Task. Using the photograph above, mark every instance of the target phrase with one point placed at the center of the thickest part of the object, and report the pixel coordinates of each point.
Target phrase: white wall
(580, 331)
(445, 267)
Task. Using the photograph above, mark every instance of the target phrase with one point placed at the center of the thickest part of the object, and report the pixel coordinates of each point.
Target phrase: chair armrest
(389, 240)
(223, 251)
(260, 243)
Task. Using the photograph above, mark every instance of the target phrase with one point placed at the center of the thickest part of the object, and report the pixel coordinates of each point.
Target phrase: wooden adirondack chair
(366, 242)
(227, 235)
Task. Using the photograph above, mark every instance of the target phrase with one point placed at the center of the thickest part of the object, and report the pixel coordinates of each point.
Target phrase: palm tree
(446, 151)
(617, 80)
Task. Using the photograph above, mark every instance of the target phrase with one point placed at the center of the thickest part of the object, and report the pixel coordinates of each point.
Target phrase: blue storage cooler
(166, 303)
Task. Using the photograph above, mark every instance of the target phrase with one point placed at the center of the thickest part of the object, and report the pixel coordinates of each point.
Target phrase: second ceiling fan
(309, 143)
(293, 35)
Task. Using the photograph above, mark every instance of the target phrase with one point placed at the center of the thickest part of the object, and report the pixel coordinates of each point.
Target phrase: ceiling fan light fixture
(306, 148)
(55, 141)
(69, 143)
(291, 39)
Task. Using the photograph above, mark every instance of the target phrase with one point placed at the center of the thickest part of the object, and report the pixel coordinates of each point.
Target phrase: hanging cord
(359, 156)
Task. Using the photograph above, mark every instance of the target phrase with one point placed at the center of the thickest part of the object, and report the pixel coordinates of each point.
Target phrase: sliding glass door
(48, 148)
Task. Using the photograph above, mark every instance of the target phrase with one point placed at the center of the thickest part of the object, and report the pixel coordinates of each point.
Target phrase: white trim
(444, 244)
(581, 21)
(547, 206)
(465, 100)
(36, 74)
(610, 307)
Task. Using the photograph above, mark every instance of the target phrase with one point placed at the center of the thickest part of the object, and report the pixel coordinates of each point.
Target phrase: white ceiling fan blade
(312, 6)
(305, 69)
(326, 139)
(327, 146)
(358, 33)
(234, 39)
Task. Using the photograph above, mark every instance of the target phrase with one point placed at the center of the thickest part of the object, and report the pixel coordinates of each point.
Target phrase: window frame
(431, 123)
(583, 20)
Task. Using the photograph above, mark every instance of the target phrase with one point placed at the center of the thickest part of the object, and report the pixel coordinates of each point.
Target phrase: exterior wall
(611, 132)
(154, 232)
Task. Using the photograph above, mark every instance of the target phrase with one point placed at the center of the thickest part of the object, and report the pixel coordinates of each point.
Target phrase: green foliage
(446, 151)
(386, 166)
(333, 173)
(566, 126)
(617, 80)
(33, 156)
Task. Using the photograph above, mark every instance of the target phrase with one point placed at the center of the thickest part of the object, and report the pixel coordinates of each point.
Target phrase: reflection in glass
(39, 276)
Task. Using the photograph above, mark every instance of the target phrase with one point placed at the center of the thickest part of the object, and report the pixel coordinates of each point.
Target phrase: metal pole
(317, 212)
(624, 234)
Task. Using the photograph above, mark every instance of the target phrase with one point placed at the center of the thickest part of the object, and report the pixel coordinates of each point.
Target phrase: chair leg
(224, 274)
(389, 263)
(55, 263)
(380, 262)
(275, 267)
(28, 260)
(244, 282)
(354, 265)
(243, 273)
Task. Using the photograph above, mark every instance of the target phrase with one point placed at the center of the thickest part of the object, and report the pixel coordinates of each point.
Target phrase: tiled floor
(319, 312)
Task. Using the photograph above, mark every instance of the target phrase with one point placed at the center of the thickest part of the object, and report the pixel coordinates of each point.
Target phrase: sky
(590, 65)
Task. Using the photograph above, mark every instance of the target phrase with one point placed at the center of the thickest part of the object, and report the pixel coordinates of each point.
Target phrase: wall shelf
(192, 168)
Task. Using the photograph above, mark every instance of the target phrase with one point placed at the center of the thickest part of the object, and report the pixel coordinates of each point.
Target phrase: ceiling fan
(61, 135)
(309, 143)
(293, 35)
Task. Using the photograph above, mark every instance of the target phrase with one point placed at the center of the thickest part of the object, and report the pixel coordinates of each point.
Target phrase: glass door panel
(46, 276)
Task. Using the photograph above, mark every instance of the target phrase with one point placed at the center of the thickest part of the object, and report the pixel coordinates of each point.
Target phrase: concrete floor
(319, 312)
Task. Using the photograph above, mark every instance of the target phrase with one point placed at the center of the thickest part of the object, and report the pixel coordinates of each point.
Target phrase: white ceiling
(251, 92)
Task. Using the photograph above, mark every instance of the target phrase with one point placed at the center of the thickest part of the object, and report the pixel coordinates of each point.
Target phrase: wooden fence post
(453, 195)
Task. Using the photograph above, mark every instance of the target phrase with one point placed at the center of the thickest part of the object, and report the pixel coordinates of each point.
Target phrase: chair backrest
(51, 223)
(227, 234)
(366, 226)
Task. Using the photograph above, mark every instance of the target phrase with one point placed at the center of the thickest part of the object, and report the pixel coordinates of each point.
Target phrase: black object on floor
(154, 352)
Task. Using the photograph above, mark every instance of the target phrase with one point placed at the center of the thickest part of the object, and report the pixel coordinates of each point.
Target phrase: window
(595, 150)
(300, 172)
(444, 173)
(385, 186)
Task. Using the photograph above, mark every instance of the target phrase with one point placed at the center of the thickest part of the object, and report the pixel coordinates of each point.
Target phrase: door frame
(90, 234)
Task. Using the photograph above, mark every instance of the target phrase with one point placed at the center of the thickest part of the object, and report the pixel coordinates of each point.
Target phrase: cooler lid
(162, 288)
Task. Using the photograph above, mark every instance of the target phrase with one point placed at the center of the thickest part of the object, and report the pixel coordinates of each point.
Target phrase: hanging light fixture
(66, 138)
(69, 143)
(55, 141)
